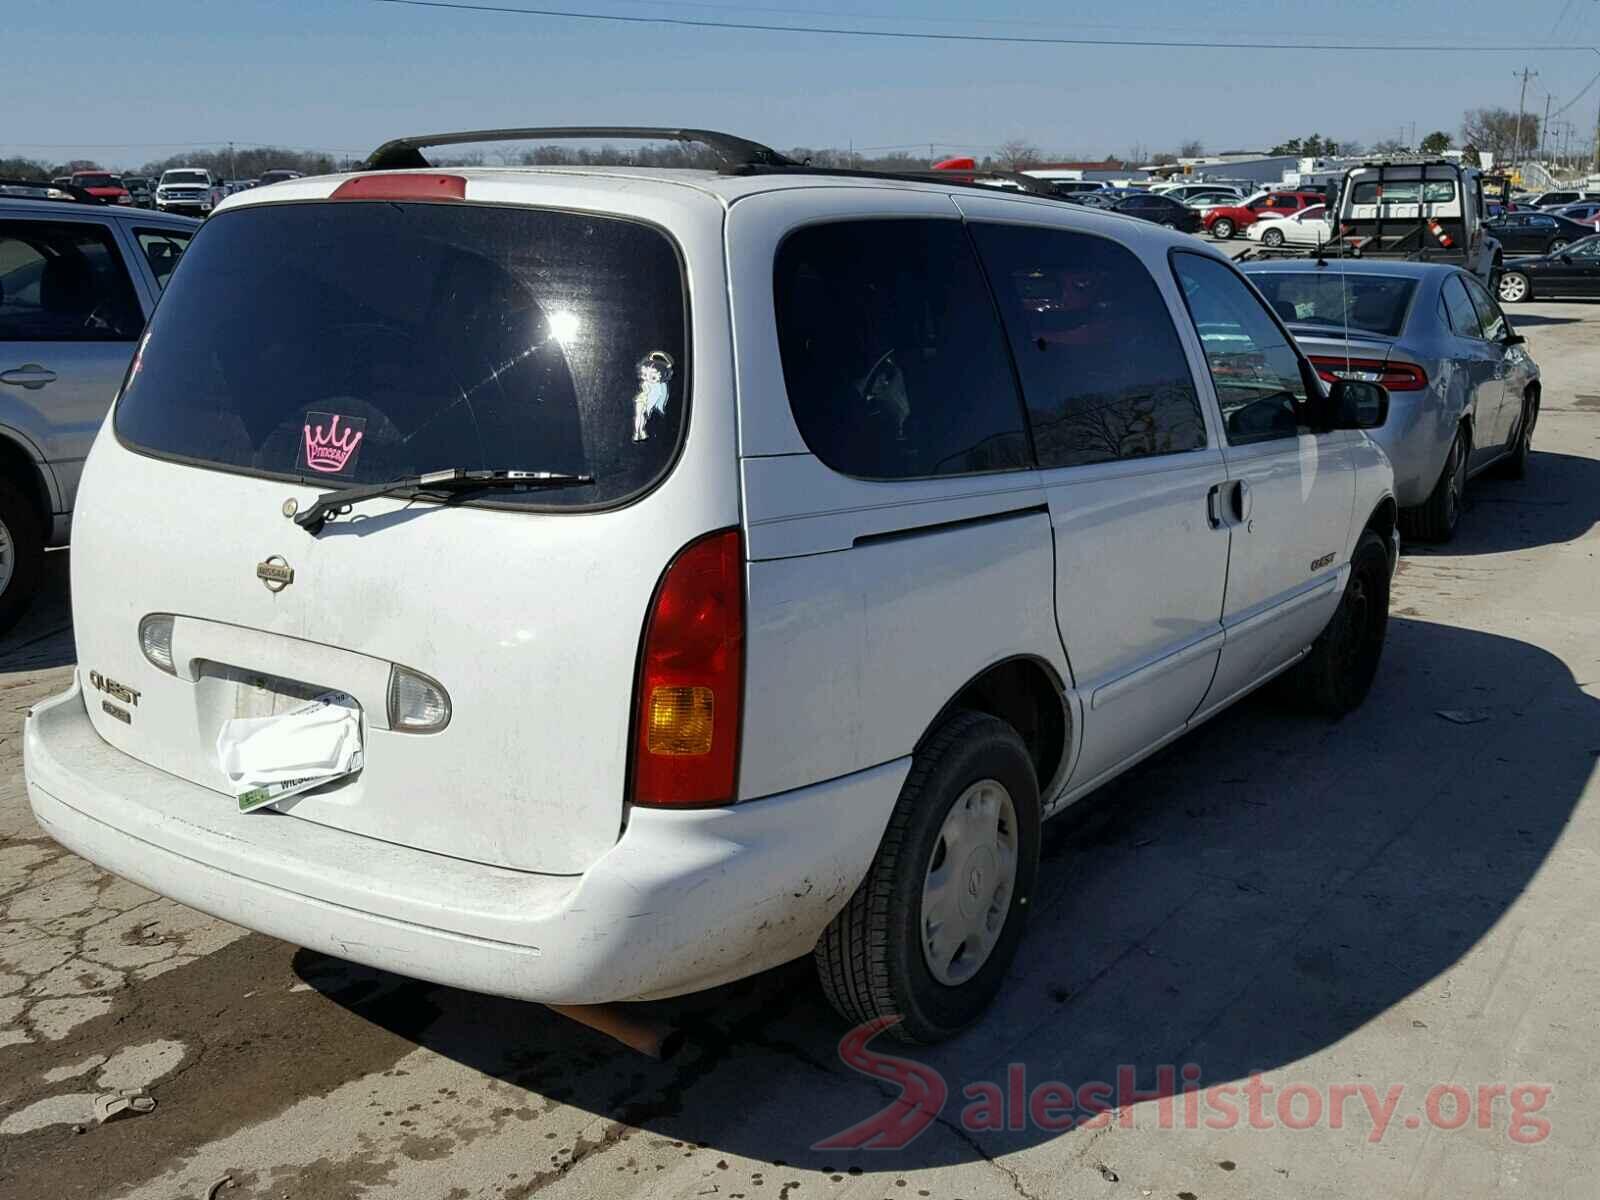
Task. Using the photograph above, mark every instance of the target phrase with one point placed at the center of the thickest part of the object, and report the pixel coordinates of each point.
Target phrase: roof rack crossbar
(406, 152)
(78, 194)
(954, 177)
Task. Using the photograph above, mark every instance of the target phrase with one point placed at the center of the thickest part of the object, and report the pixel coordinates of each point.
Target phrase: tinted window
(64, 282)
(1489, 314)
(1102, 367)
(1463, 317)
(358, 342)
(162, 249)
(1376, 303)
(895, 362)
(1260, 388)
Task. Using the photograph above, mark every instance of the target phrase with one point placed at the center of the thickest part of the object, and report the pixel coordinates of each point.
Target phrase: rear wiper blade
(332, 504)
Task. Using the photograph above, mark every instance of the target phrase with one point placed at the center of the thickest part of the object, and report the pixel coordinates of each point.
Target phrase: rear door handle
(30, 375)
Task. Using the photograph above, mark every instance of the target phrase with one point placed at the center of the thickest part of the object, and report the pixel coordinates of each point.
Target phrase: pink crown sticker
(332, 442)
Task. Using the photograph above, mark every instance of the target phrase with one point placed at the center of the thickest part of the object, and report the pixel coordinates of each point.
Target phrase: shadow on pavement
(43, 637)
(1558, 502)
(1251, 896)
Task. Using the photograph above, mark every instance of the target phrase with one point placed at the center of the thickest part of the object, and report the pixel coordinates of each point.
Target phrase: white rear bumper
(683, 901)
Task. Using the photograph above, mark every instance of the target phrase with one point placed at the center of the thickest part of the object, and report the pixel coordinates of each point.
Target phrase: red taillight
(691, 679)
(402, 187)
(1397, 376)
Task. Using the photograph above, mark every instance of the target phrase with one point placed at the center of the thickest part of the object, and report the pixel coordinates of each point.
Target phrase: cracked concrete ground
(1396, 901)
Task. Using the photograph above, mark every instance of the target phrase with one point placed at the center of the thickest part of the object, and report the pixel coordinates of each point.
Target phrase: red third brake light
(1397, 376)
(402, 187)
(691, 679)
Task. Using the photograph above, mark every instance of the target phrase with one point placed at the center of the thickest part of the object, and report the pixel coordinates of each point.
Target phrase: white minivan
(690, 570)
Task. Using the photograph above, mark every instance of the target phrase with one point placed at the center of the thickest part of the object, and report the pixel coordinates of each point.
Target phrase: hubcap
(1512, 287)
(966, 893)
(8, 557)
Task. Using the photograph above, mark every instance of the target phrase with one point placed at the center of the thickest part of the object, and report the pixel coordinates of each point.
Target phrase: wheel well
(17, 465)
(1023, 693)
(1382, 520)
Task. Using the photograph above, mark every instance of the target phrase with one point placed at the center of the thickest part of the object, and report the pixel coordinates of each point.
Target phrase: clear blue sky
(90, 78)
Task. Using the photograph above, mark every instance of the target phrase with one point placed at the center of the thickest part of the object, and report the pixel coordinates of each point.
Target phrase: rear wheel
(1435, 519)
(1516, 466)
(932, 930)
(1222, 228)
(1335, 677)
(1515, 288)
(21, 554)
(1273, 238)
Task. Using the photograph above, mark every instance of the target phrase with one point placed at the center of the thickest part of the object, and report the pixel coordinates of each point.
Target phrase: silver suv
(77, 283)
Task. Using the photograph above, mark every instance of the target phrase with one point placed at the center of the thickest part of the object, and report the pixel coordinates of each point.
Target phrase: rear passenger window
(1463, 317)
(64, 282)
(1102, 368)
(893, 355)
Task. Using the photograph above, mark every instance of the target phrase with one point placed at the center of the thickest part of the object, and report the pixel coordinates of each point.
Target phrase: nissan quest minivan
(600, 584)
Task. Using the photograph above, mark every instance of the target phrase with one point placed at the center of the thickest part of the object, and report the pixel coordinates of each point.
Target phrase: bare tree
(1017, 155)
(1495, 130)
(1193, 148)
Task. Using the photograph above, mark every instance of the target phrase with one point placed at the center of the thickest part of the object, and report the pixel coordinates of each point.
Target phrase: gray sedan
(1464, 392)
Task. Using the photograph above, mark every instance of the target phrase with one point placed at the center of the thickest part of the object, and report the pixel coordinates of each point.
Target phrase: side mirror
(1357, 404)
(1566, 258)
(1515, 339)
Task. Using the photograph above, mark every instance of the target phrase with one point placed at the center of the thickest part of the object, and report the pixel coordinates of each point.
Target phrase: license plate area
(240, 693)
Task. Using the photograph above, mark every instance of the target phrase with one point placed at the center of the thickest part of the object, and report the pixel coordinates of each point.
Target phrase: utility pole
(1522, 104)
(1544, 130)
(233, 169)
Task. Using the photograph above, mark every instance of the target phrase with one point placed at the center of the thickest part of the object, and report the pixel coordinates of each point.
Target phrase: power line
(997, 38)
(1565, 10)
(1576, 98)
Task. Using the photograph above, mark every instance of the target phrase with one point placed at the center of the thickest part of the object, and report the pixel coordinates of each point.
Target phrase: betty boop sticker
(655, 373)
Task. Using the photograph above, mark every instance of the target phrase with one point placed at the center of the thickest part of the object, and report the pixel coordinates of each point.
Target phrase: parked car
(1536, 232)
(1226, 220)
(1464, 389)
(1308, 227)
(189, 191)
(1205, 200)
(1573, 271)
(102, 185)
(141, 190)
(1582, 212)
(1548, 201)
(797, 643)
(78, 280)
(276, 175)
(1160, 210)
(37, 189)
(1185, 192)
(1099, 199)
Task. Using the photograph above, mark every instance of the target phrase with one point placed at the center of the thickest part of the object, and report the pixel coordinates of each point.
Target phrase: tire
(1557, 246)
(1272, 238)
(871, 960)
(1437, 518)
(21, 554)
(1515, 287)
(1516, 465)
(1337, 675)
(1222, 228)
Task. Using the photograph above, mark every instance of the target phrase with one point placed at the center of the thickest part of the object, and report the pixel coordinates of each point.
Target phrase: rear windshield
(1435, 191)
(1372, 303)
(356, 342)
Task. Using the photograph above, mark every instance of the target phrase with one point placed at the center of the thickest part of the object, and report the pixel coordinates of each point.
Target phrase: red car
(1227, 220)
(102, 186)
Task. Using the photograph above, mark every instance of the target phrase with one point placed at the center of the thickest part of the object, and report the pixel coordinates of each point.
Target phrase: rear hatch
(308, 346)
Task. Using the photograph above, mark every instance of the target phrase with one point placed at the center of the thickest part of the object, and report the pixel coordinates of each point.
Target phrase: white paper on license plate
(267, 759)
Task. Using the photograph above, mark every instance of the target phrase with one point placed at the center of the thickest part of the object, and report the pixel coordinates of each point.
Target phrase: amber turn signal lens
(682, 720)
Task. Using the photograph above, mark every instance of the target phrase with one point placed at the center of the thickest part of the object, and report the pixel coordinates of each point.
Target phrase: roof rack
(404, 153)
(955, 178)
(76, 195)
